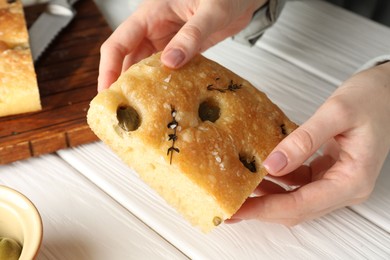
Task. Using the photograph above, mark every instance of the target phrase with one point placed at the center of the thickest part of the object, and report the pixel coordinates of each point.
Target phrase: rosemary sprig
(172, 137)
(230, 87)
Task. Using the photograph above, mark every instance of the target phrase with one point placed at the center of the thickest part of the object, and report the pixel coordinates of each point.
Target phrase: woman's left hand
(353, 127)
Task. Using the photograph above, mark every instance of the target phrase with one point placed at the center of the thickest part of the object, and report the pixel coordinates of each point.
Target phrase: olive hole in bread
(209, 111)
(283, 129)
(248, 162)
(128, 118)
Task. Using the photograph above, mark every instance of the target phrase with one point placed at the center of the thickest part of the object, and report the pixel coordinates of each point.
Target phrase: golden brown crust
(18, 89)
(221, 158)
(12, 25)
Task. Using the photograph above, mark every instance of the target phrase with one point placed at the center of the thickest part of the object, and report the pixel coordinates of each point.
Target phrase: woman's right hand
(180, 28)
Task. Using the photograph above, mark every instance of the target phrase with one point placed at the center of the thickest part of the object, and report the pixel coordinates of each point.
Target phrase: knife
(58, 14)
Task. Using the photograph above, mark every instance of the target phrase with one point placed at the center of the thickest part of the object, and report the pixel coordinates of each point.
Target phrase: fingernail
(173, 58)
(275, 162)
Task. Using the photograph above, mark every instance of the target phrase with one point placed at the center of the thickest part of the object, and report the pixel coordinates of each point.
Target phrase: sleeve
(262, 19)
(375, 61)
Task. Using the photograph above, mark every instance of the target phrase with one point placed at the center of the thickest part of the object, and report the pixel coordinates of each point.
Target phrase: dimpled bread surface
(197, 135)
(18, 84)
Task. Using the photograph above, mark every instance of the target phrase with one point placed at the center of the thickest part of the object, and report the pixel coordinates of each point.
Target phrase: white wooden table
(94, 207)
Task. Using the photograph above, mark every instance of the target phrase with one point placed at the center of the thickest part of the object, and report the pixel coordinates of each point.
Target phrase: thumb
(191, 37)
(303, 142)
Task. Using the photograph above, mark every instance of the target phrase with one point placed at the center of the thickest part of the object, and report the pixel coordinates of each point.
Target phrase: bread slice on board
(18, 83)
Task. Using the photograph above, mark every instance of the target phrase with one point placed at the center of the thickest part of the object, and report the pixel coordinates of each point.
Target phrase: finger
(114, 51)
(332, 149)
(188, 41)
(298, 177)
(268, 187)
(311, 201)
(264, 188)
(320, 165)
(145, 49)
(302, 143)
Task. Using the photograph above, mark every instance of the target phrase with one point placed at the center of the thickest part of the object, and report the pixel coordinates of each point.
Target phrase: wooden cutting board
(67, 77)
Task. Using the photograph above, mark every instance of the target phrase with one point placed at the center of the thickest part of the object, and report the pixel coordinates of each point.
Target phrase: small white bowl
(20, 220)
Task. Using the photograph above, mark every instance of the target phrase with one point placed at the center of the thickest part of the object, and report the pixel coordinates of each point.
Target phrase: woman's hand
(353, 127)
(180, 28)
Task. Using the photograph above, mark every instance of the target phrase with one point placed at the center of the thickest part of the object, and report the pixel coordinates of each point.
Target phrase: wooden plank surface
(80, 221)
(347, 40)
(67, 77)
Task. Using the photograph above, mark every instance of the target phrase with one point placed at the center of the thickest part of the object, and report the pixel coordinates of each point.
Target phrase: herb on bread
(173, 137)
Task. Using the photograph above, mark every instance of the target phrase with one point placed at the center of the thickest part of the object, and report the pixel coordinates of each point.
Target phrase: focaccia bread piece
(197, 135)
(18, 84)
(12, 24)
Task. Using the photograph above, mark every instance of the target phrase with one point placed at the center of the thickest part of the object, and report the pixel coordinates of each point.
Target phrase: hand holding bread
(352, 127)
(180, 29)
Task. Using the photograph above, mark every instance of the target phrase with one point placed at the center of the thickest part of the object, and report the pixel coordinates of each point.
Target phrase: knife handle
(60, 7)
(64, 3)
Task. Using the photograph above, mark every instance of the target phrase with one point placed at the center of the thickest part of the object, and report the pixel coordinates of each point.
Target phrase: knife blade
(58, 14)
